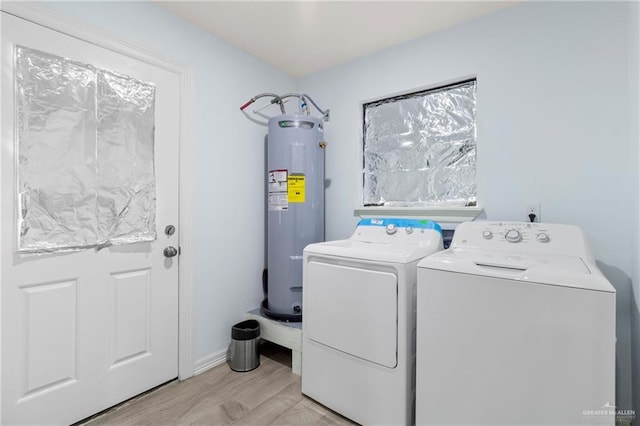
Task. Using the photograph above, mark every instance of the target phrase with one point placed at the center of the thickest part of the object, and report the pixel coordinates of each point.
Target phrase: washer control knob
(391, 228)
(542, 237)
(513, 236)
(487, 235)
(409, 229)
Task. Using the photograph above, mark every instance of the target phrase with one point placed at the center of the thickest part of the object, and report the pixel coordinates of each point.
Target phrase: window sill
(453, 215)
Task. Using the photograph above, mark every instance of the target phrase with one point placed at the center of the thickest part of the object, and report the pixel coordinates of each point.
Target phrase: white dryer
(358, 328)
(515, 326)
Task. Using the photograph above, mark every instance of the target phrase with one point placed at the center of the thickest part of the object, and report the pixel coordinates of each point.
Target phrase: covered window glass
(420, 148)
(85, 155)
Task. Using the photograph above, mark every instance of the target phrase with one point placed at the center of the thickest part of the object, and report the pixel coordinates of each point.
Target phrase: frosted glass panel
(84, 146)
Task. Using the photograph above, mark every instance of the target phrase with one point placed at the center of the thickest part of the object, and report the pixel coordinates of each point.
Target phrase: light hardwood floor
(268, 395)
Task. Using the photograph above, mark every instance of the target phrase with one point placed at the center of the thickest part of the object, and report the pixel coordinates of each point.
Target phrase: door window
(85, 144)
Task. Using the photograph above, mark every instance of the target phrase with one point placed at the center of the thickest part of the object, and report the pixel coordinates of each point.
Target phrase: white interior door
(84, 330)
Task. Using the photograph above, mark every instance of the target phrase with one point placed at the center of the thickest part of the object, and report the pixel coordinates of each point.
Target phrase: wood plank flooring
(268, 395)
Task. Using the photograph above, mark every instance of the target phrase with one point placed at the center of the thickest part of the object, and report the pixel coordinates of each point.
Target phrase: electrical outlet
(532, 208)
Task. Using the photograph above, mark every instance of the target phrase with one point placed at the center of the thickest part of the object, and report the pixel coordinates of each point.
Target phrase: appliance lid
(393, 252)
(392, 240)
(566, 271)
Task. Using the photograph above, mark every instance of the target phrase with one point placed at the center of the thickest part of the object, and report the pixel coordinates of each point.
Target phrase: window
(420, 148)
(85, 148)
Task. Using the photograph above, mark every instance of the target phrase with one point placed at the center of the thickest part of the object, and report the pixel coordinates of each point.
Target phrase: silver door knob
(170, 251)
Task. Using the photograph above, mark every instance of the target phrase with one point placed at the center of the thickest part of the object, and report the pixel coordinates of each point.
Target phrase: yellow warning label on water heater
(295, 188)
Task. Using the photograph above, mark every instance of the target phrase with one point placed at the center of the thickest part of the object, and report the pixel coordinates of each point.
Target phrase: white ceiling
(302, 37)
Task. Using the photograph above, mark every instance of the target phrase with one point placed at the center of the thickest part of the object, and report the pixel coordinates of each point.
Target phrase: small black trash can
(244, 349)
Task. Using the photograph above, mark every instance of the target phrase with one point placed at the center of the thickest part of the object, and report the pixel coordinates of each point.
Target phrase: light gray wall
(553, 124)
(634, 113)
(554, 86)
(229, 213)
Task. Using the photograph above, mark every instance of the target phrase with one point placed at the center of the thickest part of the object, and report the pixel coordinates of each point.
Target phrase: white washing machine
(358, 328)
(515, 326)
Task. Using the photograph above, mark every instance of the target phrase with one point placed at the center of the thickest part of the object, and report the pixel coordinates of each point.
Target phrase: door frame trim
(75, 28)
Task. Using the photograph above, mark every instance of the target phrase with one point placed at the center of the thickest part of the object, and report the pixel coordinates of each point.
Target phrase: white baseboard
(210, 361)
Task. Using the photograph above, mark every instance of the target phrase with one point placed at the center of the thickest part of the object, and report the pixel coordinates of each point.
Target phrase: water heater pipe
(276, 100)
(325, 113)
(303, 97)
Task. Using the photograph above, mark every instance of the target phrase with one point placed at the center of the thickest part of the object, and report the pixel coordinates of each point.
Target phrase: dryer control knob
(487, 235)
(391, 228)
(542, 237)
(409, 229)
(513, 236)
